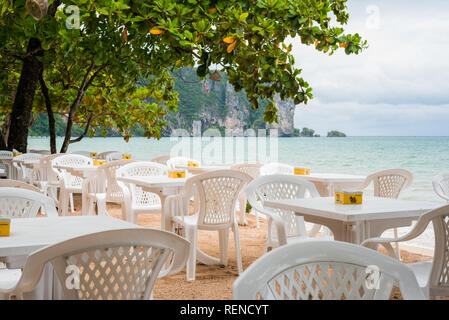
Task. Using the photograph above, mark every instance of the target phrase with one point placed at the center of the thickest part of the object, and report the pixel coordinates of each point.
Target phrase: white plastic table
(326, 183)
(85, 173)
(356, 223)
(30, 234)
(202, 169)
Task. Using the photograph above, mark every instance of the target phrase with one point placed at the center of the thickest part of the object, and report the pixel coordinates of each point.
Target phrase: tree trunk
(51, 116)
(23, 102)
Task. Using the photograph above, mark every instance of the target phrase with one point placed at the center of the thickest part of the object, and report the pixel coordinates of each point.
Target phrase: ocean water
(425, 157)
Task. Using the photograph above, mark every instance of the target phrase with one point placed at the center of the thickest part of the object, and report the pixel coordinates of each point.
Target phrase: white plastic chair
(325, 270)
(112, 265)
(82, 153)
(252, 169)
(161, 159)
(283, 225)
(6, 160)
(21, 202)
(7, 183)
(135, 199)
(113, 192)
(218, 193)
(388, 184)
(276, 168)
(69, 184)
(441, 185)
(23, 173)
(433, 277)
(45, 178)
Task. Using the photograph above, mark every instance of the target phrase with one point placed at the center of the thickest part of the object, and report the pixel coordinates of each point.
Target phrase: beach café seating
(6, 162)
(218, 193)
(325, 270)
(432, 277)
(19, 200)
(113, 265)
(253, 170)
(389, 184)
(441, 185)
(96, 193)
(69, 184)
(283, 225)
(24, 173)
(136, 200)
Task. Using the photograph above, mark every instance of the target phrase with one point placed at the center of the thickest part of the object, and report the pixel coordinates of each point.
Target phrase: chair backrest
(389, 183)
(104, 154)
(48, 174)
(74, 161)
(250, 168)
(7, 183)
(218, 192)
(325, 270)
(180, 162)
(83, 153)
(23, 203)
(280, 187)
(5, 154)
(141, 169)
(161, 159)
(118, 264)
(113, 156)
(441, 185)
(113, 191)
(276, 168)
(29, 156)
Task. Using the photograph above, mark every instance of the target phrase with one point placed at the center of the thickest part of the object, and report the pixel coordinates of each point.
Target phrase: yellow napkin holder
(5, 226)
(176, 174)
(192, 164)
(348, 197)
(15, 154)
(127, 156)
(99, 162)
(301, 171)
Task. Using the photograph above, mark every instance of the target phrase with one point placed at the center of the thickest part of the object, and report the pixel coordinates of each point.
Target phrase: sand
(215, 282)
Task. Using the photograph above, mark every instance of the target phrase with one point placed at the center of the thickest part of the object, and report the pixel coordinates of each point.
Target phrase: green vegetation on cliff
(335, 133)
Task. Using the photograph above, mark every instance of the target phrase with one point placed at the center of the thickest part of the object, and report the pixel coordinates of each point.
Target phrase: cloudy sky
(399, 86)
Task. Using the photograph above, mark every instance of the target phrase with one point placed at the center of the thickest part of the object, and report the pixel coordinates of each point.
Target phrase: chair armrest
(385, 242)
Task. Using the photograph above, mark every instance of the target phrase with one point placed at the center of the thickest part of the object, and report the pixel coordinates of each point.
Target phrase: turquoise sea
(425, 157)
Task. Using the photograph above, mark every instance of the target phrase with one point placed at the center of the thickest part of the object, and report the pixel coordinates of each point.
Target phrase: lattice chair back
(23, 203)
(5, 154)
(389, 183)
(252, 169)
(180, 162)
(161, 159)
(438, 283)
(113, 156)
(7, 183)
(218, 192)
(74, 161)
(441, 185)
(280, 187)
(276, 168)
(139, 197)
(24, 172)
(112, 265)
(114, 192)
(325, 270)
(104, 154)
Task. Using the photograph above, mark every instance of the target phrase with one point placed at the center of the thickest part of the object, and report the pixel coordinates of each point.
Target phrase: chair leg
(242, 208)
(72, 207)
(235, 229)
(191, 235)
(398, 250)
(223, 237)
(101, 207)
(63, 203)
(91, 207)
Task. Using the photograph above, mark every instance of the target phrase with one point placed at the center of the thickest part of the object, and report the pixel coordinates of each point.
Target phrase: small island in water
(335, 133)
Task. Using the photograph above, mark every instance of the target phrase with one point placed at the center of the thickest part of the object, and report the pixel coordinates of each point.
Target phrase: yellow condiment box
(93, 154)
(99, 162)
(5, 226)
(176, 174)
(192, 164)
(301, 171)
(15, 154)
(349, 197)
(127, 156)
